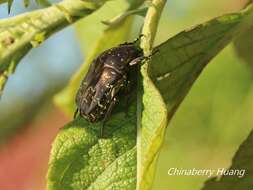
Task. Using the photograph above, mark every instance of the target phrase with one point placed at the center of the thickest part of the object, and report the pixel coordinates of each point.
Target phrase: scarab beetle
(106, 78)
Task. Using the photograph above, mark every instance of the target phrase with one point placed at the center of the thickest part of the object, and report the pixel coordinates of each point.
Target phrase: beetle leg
(127, 92)
(76, 112)
(137, 60)
(142, 58)
(107, 114)
(137, 39)
(134, 42)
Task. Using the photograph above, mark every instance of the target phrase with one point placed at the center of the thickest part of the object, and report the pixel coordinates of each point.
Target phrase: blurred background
(207, 129)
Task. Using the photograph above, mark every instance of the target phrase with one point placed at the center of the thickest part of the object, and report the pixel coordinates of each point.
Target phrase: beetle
(107, 77)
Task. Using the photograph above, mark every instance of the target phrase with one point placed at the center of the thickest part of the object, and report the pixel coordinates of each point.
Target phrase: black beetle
(106, 78)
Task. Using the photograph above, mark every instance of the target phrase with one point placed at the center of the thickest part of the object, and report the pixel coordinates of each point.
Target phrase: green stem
(19, 34)
(149, 31)
(150, 25)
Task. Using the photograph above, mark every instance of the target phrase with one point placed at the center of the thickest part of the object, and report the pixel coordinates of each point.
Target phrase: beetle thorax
(119, 58)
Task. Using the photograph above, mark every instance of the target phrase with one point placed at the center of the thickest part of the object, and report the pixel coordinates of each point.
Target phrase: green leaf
(3, 1)
(19, 34)
(173, 70)
(95, 37)
(118, 19)
(80, 159)
(133, 9)
(244, 45)
(242, 165)
(135, 3)
(26, 3)
(44, 3)
(9, 5)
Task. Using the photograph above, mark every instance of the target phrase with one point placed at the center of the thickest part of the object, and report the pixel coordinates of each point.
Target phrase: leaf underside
(174, 69)
(242, 161)
(244, 45)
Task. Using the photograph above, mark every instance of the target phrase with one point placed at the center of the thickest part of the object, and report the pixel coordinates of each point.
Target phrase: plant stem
(150, 25)
(20, 33)
(149, 31)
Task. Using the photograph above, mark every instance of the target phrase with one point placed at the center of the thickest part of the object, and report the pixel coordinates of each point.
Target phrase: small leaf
(242, 165)
(9, 5)
(38, 39)
(116, 20)
(133, 4)
(44, 3)
(244, 45)
(26, 3)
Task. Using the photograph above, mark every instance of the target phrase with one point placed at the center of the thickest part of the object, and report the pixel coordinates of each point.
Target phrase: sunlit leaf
(81, 159)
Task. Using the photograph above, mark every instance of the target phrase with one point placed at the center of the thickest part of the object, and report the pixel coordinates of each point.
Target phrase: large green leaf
(81, 159)
(173, 70)
(244, 46)
(21, 33)
(241, 168)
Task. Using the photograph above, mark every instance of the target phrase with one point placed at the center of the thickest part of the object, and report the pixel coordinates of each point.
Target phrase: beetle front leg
(142, 58)
(75, 114)
(137, 61)
(107, 115)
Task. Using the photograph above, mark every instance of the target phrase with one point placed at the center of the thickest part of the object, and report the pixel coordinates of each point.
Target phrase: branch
(21, 33)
